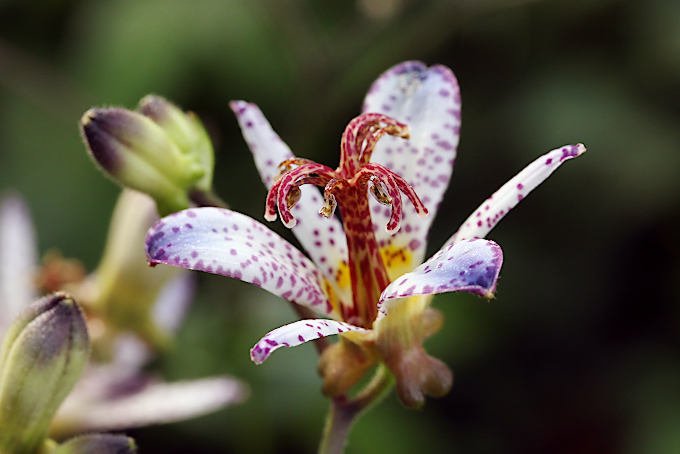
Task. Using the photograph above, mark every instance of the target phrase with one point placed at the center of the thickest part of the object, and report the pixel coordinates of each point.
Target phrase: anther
(378, 191)
(293, 197)
(329, 205)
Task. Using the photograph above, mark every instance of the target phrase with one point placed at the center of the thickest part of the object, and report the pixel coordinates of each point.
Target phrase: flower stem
(338, 424)
(343, 412)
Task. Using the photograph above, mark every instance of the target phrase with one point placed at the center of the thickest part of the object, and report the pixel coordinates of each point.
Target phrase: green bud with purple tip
(139, 154)
(42, 356)
(97, 443)
(186, 131)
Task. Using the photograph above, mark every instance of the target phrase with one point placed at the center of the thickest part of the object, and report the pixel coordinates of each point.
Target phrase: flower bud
(97, 443)
(42, 356)
(186, 131)
(139, 154)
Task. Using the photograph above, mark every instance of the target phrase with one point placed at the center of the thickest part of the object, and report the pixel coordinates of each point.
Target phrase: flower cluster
(125, 313)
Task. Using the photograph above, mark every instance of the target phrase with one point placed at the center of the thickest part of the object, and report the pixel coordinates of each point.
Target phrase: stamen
(360, 137)
(285, 192)
(346, 187)
(394, 223)
(390, 194)
(285, 166)
(402, 184)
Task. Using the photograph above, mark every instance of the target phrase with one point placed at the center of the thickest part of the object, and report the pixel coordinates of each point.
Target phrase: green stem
(343, 412)
(338, 424)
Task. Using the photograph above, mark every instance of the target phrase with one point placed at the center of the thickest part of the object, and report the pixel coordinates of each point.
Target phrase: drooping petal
(297, 333)
(228, 243)
(173, 301)
(466, 266)
(428, 101)
(321, 237)
(120, 375)
(487, 215)
(146, 403)
(18, 259)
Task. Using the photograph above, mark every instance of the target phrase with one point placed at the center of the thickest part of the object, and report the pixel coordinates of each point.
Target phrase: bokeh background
(579, 352)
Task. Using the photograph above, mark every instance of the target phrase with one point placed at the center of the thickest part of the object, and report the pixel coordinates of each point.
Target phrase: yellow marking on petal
(363, 338)
(342, 283)
(403, 311)
(342, 276)
(397, 260)
(332, 296)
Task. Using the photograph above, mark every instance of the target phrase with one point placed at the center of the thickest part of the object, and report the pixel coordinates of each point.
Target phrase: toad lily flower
(366, 273)
(113, 392)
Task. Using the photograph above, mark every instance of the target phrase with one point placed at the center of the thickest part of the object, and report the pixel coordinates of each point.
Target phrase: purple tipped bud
(42, 356)
(139, 154)
(185, 130)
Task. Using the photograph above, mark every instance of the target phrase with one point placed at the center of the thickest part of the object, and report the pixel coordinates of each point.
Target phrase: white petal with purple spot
(487, 215)
(228, 243)
(428, 101)
(322, 238)
(18, 259)
(297, 333)
(467, 266)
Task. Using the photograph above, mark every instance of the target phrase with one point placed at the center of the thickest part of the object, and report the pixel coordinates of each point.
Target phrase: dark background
(579, 352)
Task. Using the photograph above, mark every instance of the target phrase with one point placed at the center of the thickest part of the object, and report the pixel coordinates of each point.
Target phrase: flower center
(346, 188)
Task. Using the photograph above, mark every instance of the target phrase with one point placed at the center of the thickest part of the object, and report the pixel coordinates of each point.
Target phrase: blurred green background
(579, 352)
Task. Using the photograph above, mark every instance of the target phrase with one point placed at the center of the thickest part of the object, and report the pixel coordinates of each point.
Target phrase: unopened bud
(97, 443)
(186, 131)
(137, 153)
(42, 356)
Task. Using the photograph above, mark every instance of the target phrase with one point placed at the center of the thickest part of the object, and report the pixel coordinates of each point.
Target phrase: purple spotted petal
(466, 266)
(141, 401)
(18, 259)
(322, 238)
(231, 244)
(428, 101)
(297, 333)
(487, 215)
